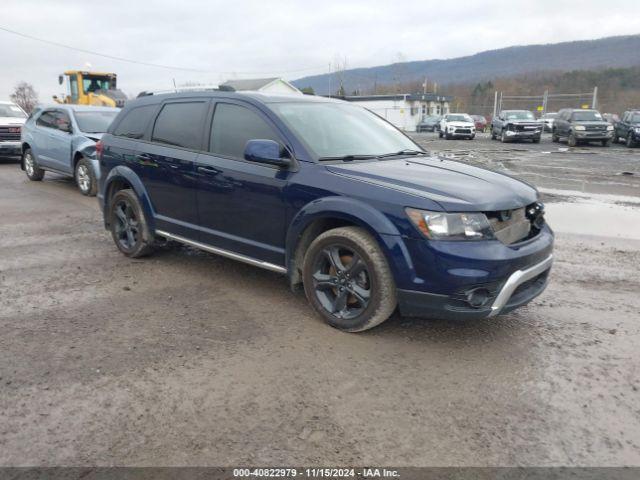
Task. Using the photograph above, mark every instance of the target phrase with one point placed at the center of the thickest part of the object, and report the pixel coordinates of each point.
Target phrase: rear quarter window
(180, 125)
(135, 122)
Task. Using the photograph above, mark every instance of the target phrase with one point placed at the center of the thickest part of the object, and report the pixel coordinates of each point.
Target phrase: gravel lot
(186, 358)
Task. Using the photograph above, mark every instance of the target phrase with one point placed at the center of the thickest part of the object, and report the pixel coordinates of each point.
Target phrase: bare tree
(25, 96)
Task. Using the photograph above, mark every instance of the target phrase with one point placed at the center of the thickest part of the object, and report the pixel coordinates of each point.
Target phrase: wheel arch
(25, 146)
(332, 212)
(120, 178)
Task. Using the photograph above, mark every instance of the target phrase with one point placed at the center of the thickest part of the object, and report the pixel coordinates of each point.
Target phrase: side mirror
(265, 151)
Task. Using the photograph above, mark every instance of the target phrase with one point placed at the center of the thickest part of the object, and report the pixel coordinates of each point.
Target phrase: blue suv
(329, 194)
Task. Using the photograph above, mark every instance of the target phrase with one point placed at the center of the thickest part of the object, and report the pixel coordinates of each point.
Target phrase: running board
(224, 253)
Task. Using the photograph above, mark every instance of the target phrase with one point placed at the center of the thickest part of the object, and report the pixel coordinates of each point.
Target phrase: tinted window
(47, 119)
(233, 126)
(94, 122)
(180, 124)
(586, 116)
(135, 122)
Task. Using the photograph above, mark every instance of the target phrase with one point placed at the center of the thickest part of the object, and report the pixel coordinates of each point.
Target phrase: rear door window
(180, 125)
(233, 126)
(135, 123)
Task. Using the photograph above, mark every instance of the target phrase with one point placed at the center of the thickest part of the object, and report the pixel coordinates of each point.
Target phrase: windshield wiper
(347, 158)
(407, 151)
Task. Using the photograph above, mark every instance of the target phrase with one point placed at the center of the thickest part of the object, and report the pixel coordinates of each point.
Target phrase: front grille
(463, 130)
(9, 133)
(527, 127)
(597, 128)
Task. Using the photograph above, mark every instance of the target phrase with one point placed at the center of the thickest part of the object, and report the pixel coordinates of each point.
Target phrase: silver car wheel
(83, 178)
(28, 164)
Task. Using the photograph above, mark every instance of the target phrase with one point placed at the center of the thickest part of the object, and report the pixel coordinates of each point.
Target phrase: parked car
(512, 125)
(628, 128)
(457, 125)
(480, 122)
(62, 139)
(12, 117)
(581, 126)
(331, 195)
(547, 120)
(428, 124)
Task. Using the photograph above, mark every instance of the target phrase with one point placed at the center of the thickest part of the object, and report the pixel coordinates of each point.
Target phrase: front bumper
(524, 134)
(593, 136)
(10, 148)
(518, 289)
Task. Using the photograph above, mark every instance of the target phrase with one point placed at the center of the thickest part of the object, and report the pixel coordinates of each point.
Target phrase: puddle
(593, 217)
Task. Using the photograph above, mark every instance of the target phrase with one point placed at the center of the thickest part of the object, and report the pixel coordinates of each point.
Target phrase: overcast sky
(258, 38)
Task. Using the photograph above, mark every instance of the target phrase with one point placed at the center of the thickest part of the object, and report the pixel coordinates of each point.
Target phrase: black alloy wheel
(341, 281)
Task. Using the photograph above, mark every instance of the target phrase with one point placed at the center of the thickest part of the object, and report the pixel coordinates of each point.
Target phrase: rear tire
(128, 225)
(493, 134)
(614, 139)
(34, 173)
(86, 178)
(536, 140)
(554, 136)
(349, 296)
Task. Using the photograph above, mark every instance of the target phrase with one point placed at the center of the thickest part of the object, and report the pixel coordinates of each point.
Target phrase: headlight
(579, 127)
(451, 226)
(637, 129)
(610, 127)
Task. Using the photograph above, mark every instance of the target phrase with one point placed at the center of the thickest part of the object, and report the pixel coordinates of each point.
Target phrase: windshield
(459, 118)
(338, 130)
(635, 118)
(519, 116)
(93, 84)
(11, 111)
(586, 116)
(94, 122)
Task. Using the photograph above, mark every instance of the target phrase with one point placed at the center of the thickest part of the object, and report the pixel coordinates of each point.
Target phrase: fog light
(479, 297)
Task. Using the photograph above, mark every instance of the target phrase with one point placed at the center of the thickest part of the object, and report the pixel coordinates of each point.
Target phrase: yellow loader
(91, 88)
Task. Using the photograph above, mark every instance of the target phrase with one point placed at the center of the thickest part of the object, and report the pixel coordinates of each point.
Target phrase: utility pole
(594, 102)
(545, 99)
(495, 104)
(330, 93)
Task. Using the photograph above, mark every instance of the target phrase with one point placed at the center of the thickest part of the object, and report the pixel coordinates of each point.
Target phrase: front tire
(572, 142)
(34, 173)
(348, 281)
(630, 142)
(503, 137)
(606, 143)
(86, 178)
(555, 138)
(128, 225)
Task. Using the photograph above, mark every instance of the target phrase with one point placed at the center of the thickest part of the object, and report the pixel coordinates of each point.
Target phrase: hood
(460, 124)
(12, 121)
(523, 122)
(454, 185)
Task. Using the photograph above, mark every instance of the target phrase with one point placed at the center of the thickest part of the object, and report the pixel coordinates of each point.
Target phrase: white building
(264, 85)
(404, 110)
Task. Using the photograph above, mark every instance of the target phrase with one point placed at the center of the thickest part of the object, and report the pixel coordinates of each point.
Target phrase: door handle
(144, 157)
(208, 170)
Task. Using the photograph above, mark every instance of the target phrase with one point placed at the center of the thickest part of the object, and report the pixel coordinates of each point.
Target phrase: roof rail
(198, 88)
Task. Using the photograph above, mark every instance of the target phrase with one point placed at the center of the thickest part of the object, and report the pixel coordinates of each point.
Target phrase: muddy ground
(186, 358)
